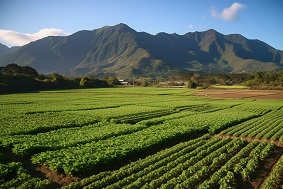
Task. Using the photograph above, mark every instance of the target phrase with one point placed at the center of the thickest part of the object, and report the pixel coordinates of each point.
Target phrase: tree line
(15, 79)
(256, 80)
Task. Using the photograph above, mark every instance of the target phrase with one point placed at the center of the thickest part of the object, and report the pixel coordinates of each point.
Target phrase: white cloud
(190, 26)
(228, 14)
(13, 38)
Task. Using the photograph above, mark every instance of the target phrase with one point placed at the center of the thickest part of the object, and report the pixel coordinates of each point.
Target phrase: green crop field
(139, 138)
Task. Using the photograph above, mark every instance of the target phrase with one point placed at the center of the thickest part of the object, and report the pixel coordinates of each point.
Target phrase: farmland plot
(13, 175)
(204, 163)
(142, 138)
(268, 127)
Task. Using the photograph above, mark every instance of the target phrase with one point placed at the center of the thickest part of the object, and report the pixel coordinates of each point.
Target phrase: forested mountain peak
(121, 51)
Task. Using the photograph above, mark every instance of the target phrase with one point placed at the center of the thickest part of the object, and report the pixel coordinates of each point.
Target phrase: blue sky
(22, 21)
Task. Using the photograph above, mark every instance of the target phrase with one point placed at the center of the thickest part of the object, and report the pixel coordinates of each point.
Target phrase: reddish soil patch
(55, 177)
(241, 93)
(266, 167)
(250, 139)
(42, 172)
(257, 179)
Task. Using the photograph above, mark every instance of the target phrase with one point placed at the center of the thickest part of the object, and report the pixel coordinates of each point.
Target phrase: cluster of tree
(14, 79)
(205, 80)
(263, 80)
(257, 80)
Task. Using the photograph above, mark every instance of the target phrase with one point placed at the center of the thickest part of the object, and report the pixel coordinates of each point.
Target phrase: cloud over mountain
(228, 14)
(15, 38)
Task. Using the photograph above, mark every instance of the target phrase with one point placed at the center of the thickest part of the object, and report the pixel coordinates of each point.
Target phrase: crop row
(13, 175)
(36, 123)
(134, 118)
(160, 158)
(159, 116)
(274, 179)
(260, 106)
(242, 165)
(268, 126)
(257, 110)
(43, 122)
(183, 111)
(184, 170)
(45, 102)
(88, 156)
(186, 165)
(66, 137)
(215, 121)
(47, 121)
(102, 98)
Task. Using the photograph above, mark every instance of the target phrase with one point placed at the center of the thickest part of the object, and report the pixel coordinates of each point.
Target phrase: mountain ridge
(4, 50)
(121, 51)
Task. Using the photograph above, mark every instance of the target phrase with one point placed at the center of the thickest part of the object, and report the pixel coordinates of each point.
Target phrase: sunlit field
(139, 138)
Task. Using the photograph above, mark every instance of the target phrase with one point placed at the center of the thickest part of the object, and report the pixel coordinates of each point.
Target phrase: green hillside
(121, 51)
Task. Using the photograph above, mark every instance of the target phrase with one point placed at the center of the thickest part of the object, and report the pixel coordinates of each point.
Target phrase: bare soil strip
(55, 177)
(257, 179)
(265, 168)
(58, 180)
(241, 93)
(38, 171)
(250, 139)
(272, 163)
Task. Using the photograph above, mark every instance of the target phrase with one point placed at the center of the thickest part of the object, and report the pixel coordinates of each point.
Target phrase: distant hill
(4, 50)
(119, 50)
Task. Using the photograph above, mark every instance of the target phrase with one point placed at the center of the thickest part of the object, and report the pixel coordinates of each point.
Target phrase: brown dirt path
(266, 166)
(251, 139)
(272, 163)
(57, 180)
(241, 93)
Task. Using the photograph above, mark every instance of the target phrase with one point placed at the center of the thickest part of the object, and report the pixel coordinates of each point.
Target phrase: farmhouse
(123, 82)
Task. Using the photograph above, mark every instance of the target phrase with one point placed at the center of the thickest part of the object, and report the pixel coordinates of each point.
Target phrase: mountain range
(4, 50)
(121, 51)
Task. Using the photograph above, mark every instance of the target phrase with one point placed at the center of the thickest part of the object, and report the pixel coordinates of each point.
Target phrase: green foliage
(14, 69)
(112, 81)
(13, 175)
(191, 84)
(85, 130)
(266, 80)
(31, 144)
(274, 179)
(268, 126)
(87, 82)
(14, 78)
(123, 51)
(253, 80)
(187, 165)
